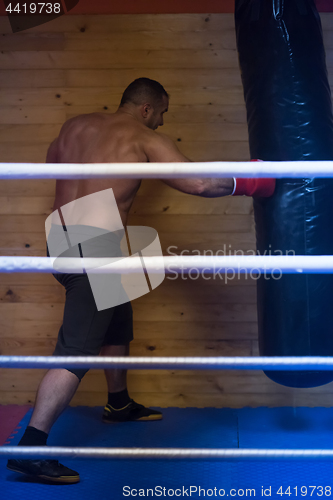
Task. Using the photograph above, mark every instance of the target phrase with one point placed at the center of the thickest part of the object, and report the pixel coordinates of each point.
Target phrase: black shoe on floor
(45, 470)
(132, 412)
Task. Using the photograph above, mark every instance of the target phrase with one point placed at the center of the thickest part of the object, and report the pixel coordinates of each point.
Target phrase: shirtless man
(125, 136)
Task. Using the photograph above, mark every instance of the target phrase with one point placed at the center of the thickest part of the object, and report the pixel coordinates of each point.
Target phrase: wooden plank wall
(79, 64)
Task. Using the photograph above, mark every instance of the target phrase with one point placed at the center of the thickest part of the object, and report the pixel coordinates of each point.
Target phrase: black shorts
(85, 329)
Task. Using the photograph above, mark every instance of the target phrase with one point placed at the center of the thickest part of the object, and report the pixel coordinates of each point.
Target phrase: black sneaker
(46, 470)
(132, 412)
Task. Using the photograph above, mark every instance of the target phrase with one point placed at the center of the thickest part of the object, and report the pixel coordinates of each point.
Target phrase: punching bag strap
(278, 8)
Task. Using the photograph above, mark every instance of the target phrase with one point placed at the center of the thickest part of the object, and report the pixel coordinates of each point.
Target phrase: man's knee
(62, 351)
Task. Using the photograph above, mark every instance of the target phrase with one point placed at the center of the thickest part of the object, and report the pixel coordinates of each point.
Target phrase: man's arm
(162, 149)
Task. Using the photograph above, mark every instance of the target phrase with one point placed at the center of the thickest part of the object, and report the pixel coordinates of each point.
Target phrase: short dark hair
(144, 90)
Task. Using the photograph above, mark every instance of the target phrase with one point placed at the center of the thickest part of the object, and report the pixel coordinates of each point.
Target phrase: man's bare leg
(54, 394)
(120, 406)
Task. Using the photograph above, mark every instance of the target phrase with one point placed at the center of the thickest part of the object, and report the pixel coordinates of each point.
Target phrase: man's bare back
(121, 137)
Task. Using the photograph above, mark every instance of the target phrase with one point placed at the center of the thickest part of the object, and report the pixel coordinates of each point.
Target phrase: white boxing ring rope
(275, 169)
(322, 363)
(166, 453)
(210, 264)
(242, 264)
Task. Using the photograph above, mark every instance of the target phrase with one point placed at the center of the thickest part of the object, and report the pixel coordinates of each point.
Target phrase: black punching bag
(289, 112)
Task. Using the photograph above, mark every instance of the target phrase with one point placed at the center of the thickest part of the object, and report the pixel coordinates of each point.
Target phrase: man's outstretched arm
(162, 149)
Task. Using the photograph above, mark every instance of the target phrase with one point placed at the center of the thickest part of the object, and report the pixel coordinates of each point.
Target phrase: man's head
(150, 99)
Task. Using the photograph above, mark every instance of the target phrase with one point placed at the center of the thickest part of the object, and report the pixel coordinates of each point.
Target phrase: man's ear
(145, 109)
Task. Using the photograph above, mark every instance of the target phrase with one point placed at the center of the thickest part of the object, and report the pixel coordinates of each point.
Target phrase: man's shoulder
(163, 137)
(83, 118)
(80, 122)
(160, 141)
(157, 137)
(162, 149)
(73, 122)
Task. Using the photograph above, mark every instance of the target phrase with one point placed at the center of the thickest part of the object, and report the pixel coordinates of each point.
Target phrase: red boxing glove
(261, 187)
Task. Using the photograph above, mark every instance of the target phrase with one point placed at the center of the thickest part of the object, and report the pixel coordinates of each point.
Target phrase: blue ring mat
(188, 428)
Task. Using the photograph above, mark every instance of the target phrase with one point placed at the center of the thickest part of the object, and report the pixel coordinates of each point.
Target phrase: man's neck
(128, 110)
